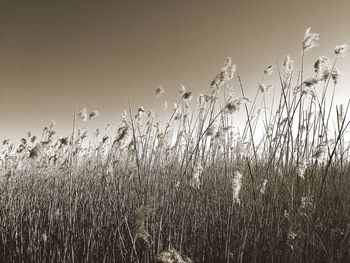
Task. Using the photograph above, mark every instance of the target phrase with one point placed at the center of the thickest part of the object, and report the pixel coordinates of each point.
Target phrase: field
(193, 187)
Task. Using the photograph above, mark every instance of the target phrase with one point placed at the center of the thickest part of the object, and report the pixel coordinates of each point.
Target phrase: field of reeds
(193, 187)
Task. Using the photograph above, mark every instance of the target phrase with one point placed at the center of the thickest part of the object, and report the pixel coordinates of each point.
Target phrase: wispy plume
(236, 186)
(301, 168)
(83, 115)
(182, 89)
(196, 176)
(320, 152)
(263, 186)
(94, 114)
(140, 112)
(335, 75)
(322, 66)
(165, 105)
(225, 75)
(263, 88)
(306, 88)
(172, 256)
(310, 40)
(235, 105)
(187, 96)
(159, 91)
(340, 50)
(211, 130)
(269, 70)
(287, 66)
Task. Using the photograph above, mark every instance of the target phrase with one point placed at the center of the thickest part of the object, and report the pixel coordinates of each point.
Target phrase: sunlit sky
(98, 54)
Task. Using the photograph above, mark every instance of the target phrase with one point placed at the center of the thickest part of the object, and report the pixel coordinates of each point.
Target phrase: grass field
(194, 187)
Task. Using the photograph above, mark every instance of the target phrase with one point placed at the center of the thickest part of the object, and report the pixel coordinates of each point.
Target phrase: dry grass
(193, 188)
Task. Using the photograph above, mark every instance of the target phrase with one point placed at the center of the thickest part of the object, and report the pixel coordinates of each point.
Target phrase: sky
(100, 54)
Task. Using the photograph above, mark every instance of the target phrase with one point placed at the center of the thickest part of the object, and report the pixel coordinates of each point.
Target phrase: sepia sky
(98, 54)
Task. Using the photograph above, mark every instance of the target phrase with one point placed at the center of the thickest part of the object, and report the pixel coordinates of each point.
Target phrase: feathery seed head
(307, 201)
(269, 70)
(44, 237)
(172, 256)
(225, 75)
(263, 186)
(263, 88)
(83, 114)
(159, 91)
(196, 176)
(322, 65)
(236, 186)
(335, 75)
(340, 50)
(320, 152)
(288, 66)
(211, 130)
(305, 88)
(187, 96)
(52, 124)
(165, 105)
(35, 152)
(93, 114)
(301, 168)
(140, 112)
(236, 104)
(182, 89)
(310, 40)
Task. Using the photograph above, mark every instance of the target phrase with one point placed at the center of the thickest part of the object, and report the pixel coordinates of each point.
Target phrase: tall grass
(193, 188)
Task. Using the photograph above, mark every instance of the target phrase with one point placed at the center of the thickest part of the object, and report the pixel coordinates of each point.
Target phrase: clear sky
(99, 54)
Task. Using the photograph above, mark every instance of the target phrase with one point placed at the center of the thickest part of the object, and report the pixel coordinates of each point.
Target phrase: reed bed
(193, 187)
